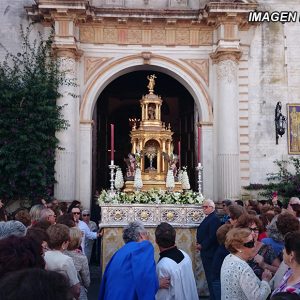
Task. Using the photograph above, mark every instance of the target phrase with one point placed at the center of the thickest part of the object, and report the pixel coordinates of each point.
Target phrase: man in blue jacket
(207, 242)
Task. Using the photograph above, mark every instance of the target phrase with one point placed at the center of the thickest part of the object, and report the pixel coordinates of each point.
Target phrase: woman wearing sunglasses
(265, 257)
(238, 281)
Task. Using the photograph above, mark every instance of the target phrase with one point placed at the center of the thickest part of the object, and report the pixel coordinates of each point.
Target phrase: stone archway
(176, 69)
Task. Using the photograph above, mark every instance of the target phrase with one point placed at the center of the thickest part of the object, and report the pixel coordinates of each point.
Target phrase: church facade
(235, 70)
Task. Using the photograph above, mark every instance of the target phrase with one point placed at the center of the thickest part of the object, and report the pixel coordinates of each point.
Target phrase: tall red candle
(199, 144)
(112, 142)
(179, 154)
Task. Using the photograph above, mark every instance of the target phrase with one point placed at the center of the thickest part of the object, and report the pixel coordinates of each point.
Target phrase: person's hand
(164, 282)
(198, 247)
(259, 260)
(43, 201)
(100, 232)
(266, 275)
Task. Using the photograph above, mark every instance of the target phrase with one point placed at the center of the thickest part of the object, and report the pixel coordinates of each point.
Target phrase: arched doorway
(195, 87)
(119, 102)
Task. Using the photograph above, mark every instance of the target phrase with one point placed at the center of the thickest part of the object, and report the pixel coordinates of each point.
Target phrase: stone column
(207, 160)
(85, 164)
(227, 118)
(65, 166)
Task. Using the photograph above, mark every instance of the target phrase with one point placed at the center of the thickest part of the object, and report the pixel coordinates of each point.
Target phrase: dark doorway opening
(119, 102)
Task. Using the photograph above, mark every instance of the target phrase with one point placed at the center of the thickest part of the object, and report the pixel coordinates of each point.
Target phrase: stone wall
(13, 15)
(268, 72)
(274, 69)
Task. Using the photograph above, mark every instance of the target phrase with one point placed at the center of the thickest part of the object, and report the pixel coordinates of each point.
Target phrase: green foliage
(29, 119)
(286, 181)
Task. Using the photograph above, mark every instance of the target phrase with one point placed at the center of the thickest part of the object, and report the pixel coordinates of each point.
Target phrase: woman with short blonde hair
(80, 261)
(57, 261)
(75, 238)
(238, 281)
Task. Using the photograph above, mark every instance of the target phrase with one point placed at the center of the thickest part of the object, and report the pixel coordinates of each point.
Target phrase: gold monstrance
(152, 138)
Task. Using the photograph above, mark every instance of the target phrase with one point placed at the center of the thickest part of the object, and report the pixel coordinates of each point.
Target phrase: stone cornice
(81, 11)
(46, 10)
(239, 7)
(217, 13)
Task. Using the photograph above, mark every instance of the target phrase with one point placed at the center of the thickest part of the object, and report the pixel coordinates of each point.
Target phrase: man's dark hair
(292, 243)
(31, 284)
(165, 235)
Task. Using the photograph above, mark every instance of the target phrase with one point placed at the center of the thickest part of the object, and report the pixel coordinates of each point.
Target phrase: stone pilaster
(207, 159)
(85, 163)
(65, 167)
(227, 114)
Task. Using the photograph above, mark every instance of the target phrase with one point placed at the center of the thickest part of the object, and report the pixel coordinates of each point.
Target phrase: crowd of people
(250, 251)
(45, 252)
(253, 251)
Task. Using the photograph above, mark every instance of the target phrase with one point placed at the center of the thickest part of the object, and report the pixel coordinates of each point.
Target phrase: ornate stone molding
(92, 64)
(227, 70)
(200, 66)
(154, 34)
(114, 63)
(178, 215)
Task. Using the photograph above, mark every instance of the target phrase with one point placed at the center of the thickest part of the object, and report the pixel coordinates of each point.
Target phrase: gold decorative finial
(151, 83)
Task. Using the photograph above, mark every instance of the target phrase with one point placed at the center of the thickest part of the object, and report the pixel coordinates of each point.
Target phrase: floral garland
(153, 196)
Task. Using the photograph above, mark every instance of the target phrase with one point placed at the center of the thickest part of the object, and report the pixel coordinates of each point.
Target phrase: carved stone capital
(67, 65)
(227, 70)
(227, 54)
(67, 51)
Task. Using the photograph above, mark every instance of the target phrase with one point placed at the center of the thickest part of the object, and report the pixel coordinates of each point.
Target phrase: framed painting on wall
(293, 131)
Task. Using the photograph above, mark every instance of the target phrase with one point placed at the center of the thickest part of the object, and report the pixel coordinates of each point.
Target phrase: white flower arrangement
(170, 181)
(153, 196)
(119, 180)
(185, 180)
(138, 183)
(180, 175)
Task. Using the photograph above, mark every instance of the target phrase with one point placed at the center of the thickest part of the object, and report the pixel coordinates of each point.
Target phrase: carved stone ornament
(227, 70)
(200, 66)
(151, 214)
(67, 65)
(93, 64)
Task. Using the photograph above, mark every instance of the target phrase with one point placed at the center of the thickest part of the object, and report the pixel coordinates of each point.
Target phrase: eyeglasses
(205, 206)
(254, 229)
(86, 215)
(76, 213)
(250, 244)
(52, 216)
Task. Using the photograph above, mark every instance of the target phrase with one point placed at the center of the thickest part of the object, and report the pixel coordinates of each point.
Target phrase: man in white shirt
(174, 264)
(87, 233)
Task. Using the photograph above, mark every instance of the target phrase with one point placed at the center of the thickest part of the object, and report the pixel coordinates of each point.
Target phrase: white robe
(182, 280)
